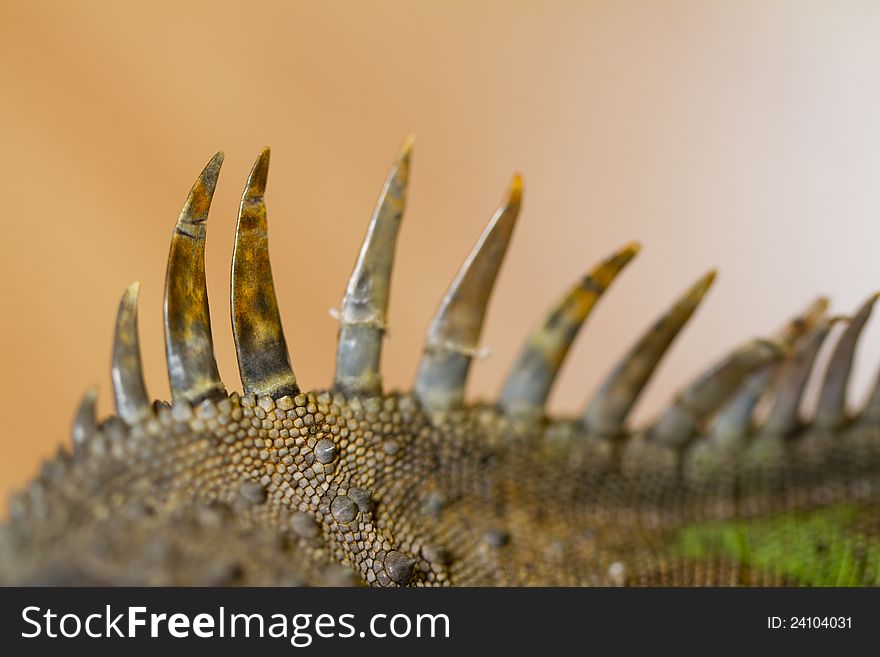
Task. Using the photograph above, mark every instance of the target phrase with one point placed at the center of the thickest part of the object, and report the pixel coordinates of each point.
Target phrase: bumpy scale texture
(354, 486)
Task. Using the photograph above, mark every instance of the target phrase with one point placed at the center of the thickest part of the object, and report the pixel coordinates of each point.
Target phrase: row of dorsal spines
(728, 392)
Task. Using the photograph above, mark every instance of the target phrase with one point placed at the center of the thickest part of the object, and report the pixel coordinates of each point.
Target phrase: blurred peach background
(741, 134)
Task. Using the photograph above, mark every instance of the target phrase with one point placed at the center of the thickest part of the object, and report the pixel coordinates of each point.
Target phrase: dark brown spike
(528, 384)
(607, 411)
(127, 374)
(454, 332)
(705, 395)
(263, 358)
(363, 313)
(189, 346)
(831, 409)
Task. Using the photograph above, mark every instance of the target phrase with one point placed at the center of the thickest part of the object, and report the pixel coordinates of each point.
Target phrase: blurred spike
(363, 314)
(606, 413)
(805, 323)
(734, 419)
(189, 347)
(871, 412)
(129, 391)
(529, 382)
(784, 416)
(831, 409)
(85, 421)
(699, 400)
(455, 329)
(263, 359)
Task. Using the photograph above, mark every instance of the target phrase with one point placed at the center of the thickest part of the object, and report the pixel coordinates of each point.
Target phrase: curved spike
(189, 347)
(126, 372)
(784, 415)
(362, 316)
(831, 409)
(85, 421)
(607, 411)
(734, 419)
(700, 399)
(529, 382)
(263, 359)
(455, 329)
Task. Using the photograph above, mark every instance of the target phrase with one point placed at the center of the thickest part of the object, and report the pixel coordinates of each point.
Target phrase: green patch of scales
(830, 546)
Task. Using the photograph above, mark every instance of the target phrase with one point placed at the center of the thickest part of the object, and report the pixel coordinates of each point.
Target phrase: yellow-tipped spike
(528, 384)
(454, 332)
(607, 411)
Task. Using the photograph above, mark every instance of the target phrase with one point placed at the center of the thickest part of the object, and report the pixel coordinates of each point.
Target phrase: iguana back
(276, 486)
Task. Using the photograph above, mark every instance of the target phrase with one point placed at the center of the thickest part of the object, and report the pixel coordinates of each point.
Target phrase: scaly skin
(353, 485)
(237, 493)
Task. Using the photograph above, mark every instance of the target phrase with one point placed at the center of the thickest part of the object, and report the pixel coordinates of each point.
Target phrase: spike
(455, 329)
(831, 409)
(189, 347)
(85, 422)
(735, 417)
(734, 420)
(362, 317)
(129, 391)
(804, 323)
(263, 359)
(607, 411)
(871, 412)
(700, 399)
(784, 415)
(531, 378)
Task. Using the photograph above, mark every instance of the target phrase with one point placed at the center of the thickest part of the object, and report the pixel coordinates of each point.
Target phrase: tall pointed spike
(706, 394)
(454, 332)
(263, 359)
(784, 415)
(529, 382)
(189, 347)
(607, 411)
(85, 422)
(734, 420)
(126, 372)
(362, 316)
(831, 409)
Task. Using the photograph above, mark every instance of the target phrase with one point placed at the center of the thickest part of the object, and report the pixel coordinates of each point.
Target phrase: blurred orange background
(740, 134)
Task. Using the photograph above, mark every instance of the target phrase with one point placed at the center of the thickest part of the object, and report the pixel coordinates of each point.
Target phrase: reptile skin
(353, 485)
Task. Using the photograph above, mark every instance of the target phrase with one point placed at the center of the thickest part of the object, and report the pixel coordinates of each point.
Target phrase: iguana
(355, 485)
